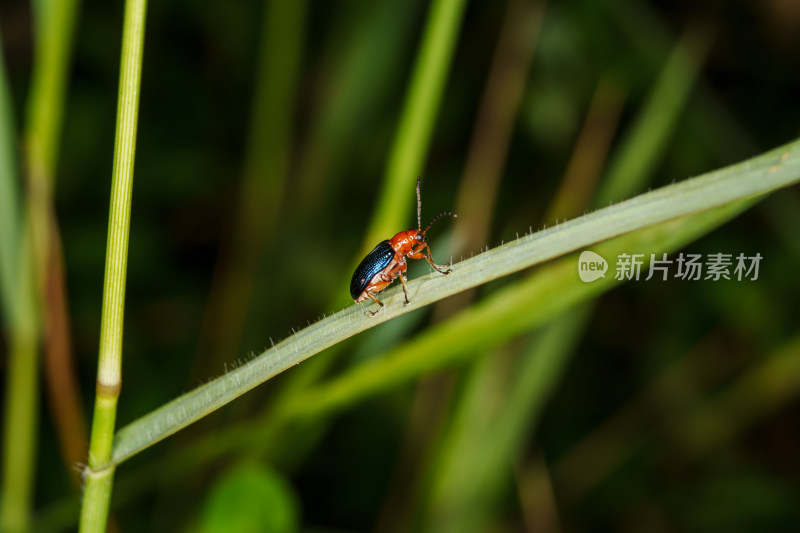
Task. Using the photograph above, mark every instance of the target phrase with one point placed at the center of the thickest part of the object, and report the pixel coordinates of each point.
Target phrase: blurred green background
(264, 134)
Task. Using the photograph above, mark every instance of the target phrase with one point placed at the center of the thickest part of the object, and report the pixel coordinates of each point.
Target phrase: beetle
(387, 260)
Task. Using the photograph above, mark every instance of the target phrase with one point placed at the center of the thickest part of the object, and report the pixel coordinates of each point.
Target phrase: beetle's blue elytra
(375, 261)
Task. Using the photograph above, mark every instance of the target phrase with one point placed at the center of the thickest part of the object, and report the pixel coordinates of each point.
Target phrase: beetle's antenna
(419, 206)
(437, 217)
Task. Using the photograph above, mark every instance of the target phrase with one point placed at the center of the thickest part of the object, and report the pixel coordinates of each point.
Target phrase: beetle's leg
(373, 313)
(417, 254)
(399, 270)
(405, 289)
(446, 265)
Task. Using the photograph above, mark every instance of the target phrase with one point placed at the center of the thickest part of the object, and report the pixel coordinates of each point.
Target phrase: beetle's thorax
(405, 241)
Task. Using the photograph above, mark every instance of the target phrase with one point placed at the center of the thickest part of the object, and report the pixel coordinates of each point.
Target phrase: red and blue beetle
(388, 260)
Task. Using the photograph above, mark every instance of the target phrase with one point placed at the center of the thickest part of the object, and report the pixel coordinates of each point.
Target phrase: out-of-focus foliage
(249, 498)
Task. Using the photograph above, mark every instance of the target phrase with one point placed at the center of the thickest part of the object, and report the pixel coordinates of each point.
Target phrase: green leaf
(250, 498)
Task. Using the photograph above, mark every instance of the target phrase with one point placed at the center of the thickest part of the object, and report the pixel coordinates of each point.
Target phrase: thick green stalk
(99, 477)
(751, 178)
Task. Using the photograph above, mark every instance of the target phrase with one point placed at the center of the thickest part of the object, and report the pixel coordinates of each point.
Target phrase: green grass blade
(775, 169)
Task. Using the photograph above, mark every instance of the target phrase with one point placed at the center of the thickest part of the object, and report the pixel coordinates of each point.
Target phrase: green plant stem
(749, 179)
(98, 476)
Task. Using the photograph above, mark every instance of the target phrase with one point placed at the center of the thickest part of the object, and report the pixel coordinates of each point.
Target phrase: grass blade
(775, 169)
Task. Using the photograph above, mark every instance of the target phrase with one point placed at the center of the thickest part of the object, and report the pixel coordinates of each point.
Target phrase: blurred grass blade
(771, 382)
(494, 124)
(635, 159)
(10, 222)
(359, 87)
(21, 405)
(775, 169)
(98, 476)
(481, 459)
(55, 25)
(54, 31)
(697, 425)
(266, 167)
(642, 146)
(416, 121)
(578, 186)
(486, 160)
(24, 254)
